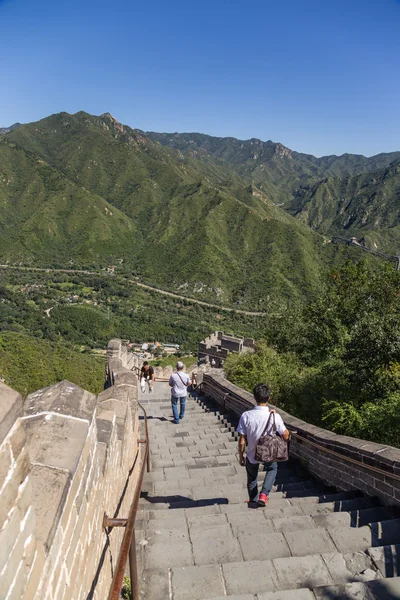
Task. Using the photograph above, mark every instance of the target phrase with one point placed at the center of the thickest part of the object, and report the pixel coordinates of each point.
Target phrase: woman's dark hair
(145, 363)
(261, 393)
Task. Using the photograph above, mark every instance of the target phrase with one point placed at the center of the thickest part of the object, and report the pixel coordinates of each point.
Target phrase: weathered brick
(5, 462)
(8, 536)
(35, 573)
(17, 587)
(9, 492)
(17, 439)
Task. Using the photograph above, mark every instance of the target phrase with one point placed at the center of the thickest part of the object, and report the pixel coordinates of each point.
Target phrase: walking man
(179, 382)
(251, 427)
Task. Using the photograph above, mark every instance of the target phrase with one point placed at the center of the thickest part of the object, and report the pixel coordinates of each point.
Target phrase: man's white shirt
(178, 383)
(252, 424)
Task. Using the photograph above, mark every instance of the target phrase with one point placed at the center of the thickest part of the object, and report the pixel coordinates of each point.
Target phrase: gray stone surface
(250, 577)
(351, 540)
(49, 491)
(64, 398)
(193, 583)
(350, 591)
(259, 546)
(214, 545)
(333, 520)
(294, 523)
(298, 572)
(302, 594)
(55, 440)
(235, 597)
(160, 555)
(313, 541)
(154, 584)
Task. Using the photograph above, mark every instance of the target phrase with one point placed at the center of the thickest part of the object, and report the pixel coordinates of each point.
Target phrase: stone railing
(66, 457)
(344, 462)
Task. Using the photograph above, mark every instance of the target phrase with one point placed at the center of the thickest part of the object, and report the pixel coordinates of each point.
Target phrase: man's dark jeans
(252, 472)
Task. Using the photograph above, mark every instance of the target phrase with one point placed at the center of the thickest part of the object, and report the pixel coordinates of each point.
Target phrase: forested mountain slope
(366, 206)
(90, 190)
(274, 168)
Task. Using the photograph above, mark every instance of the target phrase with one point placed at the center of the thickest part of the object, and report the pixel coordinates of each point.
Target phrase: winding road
(142, 285)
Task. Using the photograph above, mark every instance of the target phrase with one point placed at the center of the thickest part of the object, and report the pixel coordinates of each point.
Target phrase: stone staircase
(197, 539)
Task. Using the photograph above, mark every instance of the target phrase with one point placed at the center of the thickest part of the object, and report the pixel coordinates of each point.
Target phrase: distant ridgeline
(250, 216)
(67, 457)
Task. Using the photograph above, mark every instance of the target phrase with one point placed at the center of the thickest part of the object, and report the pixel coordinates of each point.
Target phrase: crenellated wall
(66, 457)
(329, 462)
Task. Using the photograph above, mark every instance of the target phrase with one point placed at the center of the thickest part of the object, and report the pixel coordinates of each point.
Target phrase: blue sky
(319, 76)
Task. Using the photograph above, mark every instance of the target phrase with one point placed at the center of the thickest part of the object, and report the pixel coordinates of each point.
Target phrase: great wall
(67, 458)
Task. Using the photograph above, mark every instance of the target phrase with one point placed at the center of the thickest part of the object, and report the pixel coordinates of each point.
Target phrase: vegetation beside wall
(28, 364)
(336, 361)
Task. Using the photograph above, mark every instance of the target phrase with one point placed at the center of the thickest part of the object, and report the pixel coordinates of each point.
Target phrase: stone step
(261, 577)
(383, 589)
(277, 508)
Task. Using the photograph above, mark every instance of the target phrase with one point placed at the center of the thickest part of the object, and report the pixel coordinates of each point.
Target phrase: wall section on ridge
(66, 457)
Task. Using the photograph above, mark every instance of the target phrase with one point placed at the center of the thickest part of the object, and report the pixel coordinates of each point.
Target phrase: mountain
(90, 190)
(366, 206)
(4, 130)
(275, 169)
(46, 217)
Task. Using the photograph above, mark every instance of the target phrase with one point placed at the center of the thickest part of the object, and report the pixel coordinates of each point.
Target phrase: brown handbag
(271, 448)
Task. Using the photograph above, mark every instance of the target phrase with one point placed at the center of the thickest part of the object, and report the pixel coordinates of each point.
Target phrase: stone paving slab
(206, 521)
(252, 521)
(235, 597)
(338, 565)
(193, 583)
(161, 535)
(298, 572)
(302, 594)
(342, 519)
(313, 541)
(350, 591)
(215, 545)
(159, 556)
(293, 523)
(249, 577)
(154, 584)
(263, 546)
(351, 540)
(176, 523)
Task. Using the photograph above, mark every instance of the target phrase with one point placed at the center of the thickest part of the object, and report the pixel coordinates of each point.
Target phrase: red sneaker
(263, 499)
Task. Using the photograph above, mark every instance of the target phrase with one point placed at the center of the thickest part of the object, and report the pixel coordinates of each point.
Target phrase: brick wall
(65, 459)
(332, 469)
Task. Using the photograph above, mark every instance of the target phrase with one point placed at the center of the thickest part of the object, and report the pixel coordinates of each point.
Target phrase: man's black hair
(145, 363)
(261, 393)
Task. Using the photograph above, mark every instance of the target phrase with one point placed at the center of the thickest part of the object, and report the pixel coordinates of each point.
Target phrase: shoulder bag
(271, 448)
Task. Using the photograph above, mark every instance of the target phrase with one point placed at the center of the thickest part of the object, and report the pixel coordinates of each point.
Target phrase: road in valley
(142, 285)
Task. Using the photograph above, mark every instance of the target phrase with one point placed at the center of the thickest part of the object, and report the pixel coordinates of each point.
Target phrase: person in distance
(179, 382)
(251, 427)
(147, 374)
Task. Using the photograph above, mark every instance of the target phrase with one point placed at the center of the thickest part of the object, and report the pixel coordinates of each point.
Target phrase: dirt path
(142, 285)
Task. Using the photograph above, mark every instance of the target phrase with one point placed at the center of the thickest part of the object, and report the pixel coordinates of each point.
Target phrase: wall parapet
(66, 457)
(331, 468)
